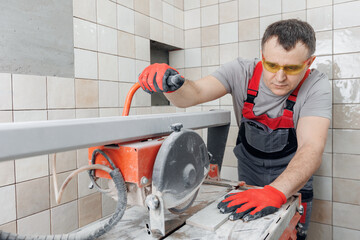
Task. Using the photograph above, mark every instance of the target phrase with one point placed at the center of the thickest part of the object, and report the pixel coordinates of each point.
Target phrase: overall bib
(266, 145)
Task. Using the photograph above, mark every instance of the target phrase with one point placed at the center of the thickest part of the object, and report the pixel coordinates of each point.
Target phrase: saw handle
(129, 97)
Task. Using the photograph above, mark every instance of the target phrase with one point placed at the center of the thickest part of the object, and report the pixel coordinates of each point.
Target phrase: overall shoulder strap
(253, 86)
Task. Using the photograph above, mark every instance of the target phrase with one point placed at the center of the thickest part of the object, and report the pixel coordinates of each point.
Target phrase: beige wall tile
(177, 58)
(179, 4)
(249, 29)
(70, 192)
(344, 65)
(9, 227)
(108, 67)
(324, 64)
(344, 38)
(7, 172)
(228, 52)
(192, 38)
(85, 34)
(5, 91)
(83, 185)
(232, 136)
(168, 13)
(208, 2)
(60, 92)
(32, 196)
(163, 109)
(322, 188)
(325, 168)
(190, 4)
(142, 48)
(86, 93)
(123, 90)
(205, 71)
(192, 73)
(61, 114)
(320, 18)
(344, 233)
(82, 157)
(26, 88)
(6, 116)
(7, 203)
(65, 161)
(168, 34)
(318, 231)
(64, 218)
(126, 44)
(229, 173)
(318, 3)
(140, 65)
(324, 43)
(209, 15)
(108, 205)
(270, 7)
(248, 9)
(179, 18)
(301, 15)
(346, 116)
(85, 64)
(142, 25)
(106, 13)
(126, 70)
(346, 141)
(228, 12)
(321, 211)
(329, 142)
(345, 15)
(156, 9)
(346, 191)
(126, 3)
(86, 215)
(230, 159)
(346, 166)
(142, 6)
(107, 40)
(125, 19)
(346, 91)
(85, 9)
(86, 113)
(108, 94)
(192, 57)
(192, 19)
(109, 112)
(291, 6)
(266, 21)
(29, 116)
(346, 215)
(37, 224)
(210, 56)
(156, 30)
(249, 49)
(210, 35)
(228, 32)
(32, 167)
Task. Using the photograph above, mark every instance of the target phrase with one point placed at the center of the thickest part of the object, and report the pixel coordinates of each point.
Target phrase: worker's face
(281, 83)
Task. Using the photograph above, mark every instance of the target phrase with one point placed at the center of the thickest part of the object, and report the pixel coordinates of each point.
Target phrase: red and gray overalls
(266, 145)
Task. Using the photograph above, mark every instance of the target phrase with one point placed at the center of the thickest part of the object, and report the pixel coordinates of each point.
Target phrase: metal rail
(19, 140)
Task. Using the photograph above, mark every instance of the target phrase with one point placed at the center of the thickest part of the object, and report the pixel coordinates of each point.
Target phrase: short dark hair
(289, 32)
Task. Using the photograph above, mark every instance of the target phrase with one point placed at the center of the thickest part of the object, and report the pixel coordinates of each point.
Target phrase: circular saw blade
(180, 167)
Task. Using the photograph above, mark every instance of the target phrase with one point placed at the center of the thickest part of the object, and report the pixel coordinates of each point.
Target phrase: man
(284, 109)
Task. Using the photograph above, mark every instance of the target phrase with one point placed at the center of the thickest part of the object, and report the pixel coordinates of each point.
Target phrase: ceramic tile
(82, 157)
(346, 215)
(64, 218)
(346, 65)
(209, 15)
(346, 15)
(126, 44)
(106, 13)
(229, 173)
(127, 70)
(228, 32)
(206, 71)
(107, 40)
(86, 93)
(270, 7)
(29, 116)
(5, 91)
(233, 133)
(70, 192)
(142, 48)
(109, 112)
(108, 67)
(208, 2)
(322, 188)
(142, 6)
(5, 116)
(318, 231)
(248, 9)
(346, 91)
(177, 58)
(344, 233)
(249, 29)
(193, 38)
(126, 3)
(228, 12)
(232, 116)
(230, 159)
(85, 9)
(321, 211)
(346, 141)
(179, 4)
(210, 56)
(329, 144)
(7, 203)
(86, 113)
(156, 30)
(140, 66)
(85, 34)
(192, 19)
(192, 73)
(61, 114)
(37, 224)
(92, 202)
(142, 99)
(323, 43)
(318, 3)
(249, 49)
(266, 21)
(168, 34)
(30, 168)
(300, 15)
(168, 13)
(163, 109)
(156, 9)
(346, 166)
(85, 63)
(125, 19)
(32, 196)
(190, 4)
(292, 6)
(178, 18)
(7, 173)
(108, 94)
(179, 36)
(193, 57)
(108, 205)
(346, 40)
(324, 64)
(320, 18)
(210, 36)
(123, 90)
(142, 25)
(60, 92)
(65, 161)
(346, 116)
(83, 185)
(346, 191)
(26, 87)
(9, 227)
(228, 52)
(325, 168)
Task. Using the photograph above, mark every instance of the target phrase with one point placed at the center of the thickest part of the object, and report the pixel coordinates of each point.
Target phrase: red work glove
(253, 203)
(160, 77)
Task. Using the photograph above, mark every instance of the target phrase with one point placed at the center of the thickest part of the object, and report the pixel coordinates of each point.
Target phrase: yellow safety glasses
(288, 69)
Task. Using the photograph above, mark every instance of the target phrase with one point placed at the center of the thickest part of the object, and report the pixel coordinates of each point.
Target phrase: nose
(280, 76)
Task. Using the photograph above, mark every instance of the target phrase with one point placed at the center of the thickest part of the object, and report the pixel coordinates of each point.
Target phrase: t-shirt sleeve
(318, 102)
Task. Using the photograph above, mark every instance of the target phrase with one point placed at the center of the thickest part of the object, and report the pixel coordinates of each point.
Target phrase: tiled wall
(111, 40)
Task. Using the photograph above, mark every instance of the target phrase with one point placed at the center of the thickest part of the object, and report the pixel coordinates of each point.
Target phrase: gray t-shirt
(314, 96)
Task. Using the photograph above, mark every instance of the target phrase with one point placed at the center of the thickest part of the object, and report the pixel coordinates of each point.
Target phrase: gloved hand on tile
(160, 77)
(253, 203)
